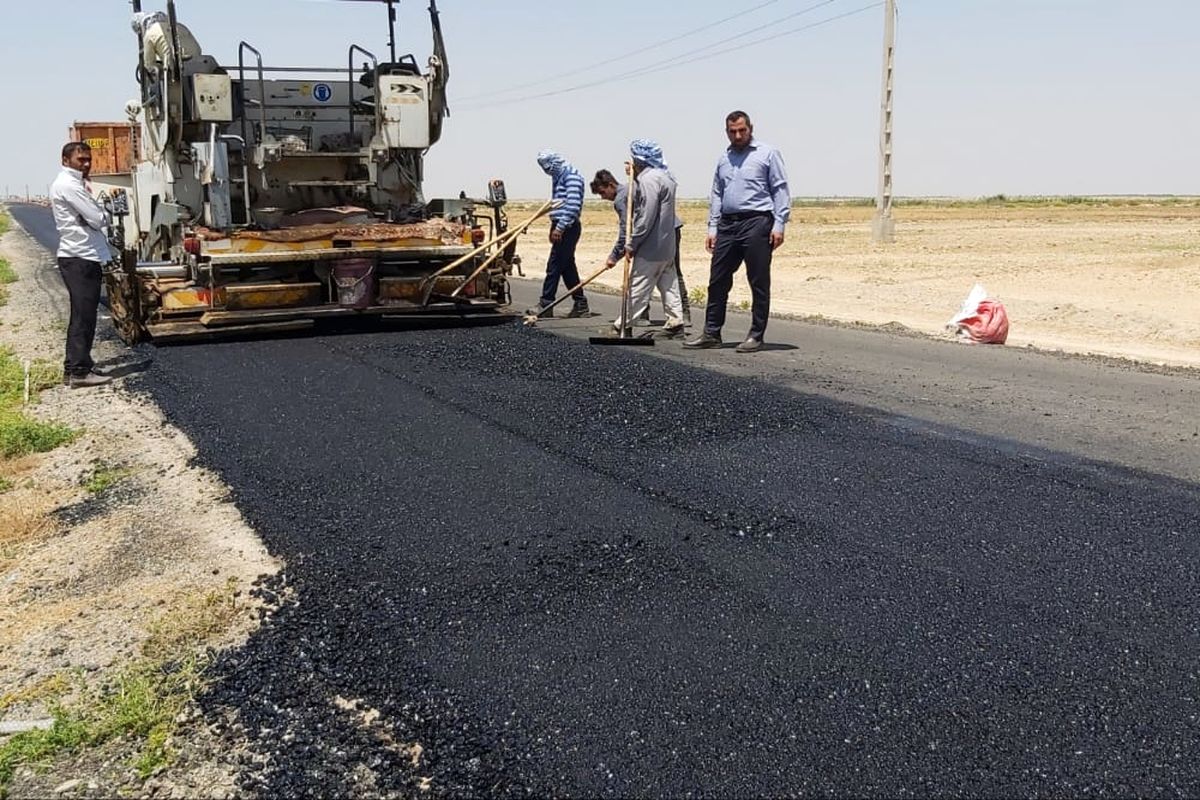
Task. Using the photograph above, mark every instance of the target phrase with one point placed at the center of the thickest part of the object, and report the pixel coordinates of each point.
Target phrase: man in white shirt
(82, 249)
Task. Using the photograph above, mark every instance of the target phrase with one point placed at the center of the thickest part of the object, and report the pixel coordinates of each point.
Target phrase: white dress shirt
(79, 218)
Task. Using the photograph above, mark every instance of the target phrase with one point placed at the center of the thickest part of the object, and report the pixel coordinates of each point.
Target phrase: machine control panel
(212, 98)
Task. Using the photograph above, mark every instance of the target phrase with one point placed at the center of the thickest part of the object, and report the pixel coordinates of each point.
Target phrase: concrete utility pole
(883, 229)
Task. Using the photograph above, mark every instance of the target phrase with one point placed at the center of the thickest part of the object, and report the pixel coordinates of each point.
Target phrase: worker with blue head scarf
(565, 229)
(652, 243)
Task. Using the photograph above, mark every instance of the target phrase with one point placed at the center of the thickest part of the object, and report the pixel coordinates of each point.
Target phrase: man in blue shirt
(567, 186)
(748, 211)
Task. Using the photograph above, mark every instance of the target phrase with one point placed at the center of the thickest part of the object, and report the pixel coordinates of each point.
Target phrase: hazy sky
(993, 96)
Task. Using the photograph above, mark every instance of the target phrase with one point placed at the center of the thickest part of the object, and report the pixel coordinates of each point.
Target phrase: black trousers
(82, 278)
(744, 240)
(561, 265)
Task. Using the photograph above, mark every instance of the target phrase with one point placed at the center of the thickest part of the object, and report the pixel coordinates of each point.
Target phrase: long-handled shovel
(625, 336)
(499, 241)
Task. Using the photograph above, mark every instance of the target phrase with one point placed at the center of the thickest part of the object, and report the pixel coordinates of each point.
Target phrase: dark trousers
(745, 240)
(82, 278)
(683, 296)
(561, 265)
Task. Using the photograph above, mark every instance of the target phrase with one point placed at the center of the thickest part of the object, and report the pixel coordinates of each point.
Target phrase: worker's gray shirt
(653, 235)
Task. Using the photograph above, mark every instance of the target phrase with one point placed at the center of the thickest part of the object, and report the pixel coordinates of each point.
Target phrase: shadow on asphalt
(349, 327)
(120, 367)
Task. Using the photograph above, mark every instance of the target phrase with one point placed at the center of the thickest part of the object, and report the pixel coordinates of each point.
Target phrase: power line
(610, 59)
(690, 53)
(673, 63)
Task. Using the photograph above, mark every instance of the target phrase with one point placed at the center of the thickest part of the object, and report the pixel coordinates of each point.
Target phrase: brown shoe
(750, 346)
(673, 331)
(704, 341)
(87, 381)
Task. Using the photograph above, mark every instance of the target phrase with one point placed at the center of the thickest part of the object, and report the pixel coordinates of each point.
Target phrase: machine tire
(122, 302)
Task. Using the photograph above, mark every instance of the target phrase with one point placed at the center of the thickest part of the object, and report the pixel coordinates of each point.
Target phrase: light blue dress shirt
(752, 179)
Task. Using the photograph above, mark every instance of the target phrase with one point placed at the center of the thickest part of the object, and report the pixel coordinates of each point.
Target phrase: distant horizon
(1016, 97)
(860, 199)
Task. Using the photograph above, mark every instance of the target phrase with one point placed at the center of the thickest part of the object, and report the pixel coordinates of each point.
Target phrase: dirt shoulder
(108, 536)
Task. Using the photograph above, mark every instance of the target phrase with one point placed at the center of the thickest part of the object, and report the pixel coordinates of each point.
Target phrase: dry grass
(24, 517)
(52, 686)
(142, 703)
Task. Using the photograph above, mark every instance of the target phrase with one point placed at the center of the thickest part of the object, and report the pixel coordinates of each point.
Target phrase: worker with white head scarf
(651, 241)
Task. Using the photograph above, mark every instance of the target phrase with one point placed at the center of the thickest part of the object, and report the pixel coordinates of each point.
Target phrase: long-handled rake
(625, 334)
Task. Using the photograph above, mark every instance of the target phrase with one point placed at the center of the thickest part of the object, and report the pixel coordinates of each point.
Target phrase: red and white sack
(981, 320)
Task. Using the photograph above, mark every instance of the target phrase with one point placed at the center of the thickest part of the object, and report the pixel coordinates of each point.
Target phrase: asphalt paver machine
(269, 197)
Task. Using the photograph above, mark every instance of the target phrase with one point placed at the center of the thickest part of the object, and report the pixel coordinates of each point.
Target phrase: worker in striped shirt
(565, 229)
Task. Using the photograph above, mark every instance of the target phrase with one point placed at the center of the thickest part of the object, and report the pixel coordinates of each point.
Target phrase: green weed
(104, 476)
(7, 275)
(20, 435)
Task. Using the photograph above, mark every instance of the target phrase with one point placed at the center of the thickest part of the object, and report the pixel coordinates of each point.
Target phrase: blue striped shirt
(750, 180)
(568, 187)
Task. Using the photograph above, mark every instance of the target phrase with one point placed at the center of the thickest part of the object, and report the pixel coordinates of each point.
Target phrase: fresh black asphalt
(576, 571)
(573, 571)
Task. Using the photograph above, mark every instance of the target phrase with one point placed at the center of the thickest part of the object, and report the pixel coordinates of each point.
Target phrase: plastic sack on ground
(981, 320)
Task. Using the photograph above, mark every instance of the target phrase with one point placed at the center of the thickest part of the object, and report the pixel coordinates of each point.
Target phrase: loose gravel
(521, 566)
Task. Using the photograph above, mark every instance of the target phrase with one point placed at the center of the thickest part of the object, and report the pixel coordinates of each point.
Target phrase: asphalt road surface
(580, 571)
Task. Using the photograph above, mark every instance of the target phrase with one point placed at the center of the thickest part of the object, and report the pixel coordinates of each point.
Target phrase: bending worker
(651, 243)
(606, 187)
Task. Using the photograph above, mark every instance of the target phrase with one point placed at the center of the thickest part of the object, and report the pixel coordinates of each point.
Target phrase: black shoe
(751, 345)
(579, 311)
(541, 312)
(704, 341)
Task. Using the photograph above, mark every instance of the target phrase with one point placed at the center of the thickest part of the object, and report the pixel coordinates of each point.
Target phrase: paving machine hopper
(269, 197)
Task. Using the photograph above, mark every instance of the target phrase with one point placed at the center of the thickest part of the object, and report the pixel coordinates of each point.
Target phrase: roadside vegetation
(7, 275)
(19, 434)
(143, 703)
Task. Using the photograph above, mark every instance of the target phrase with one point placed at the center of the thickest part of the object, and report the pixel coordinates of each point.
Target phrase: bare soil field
(1118, 278)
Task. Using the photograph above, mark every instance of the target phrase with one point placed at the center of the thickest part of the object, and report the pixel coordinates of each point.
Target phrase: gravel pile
(522, 566)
